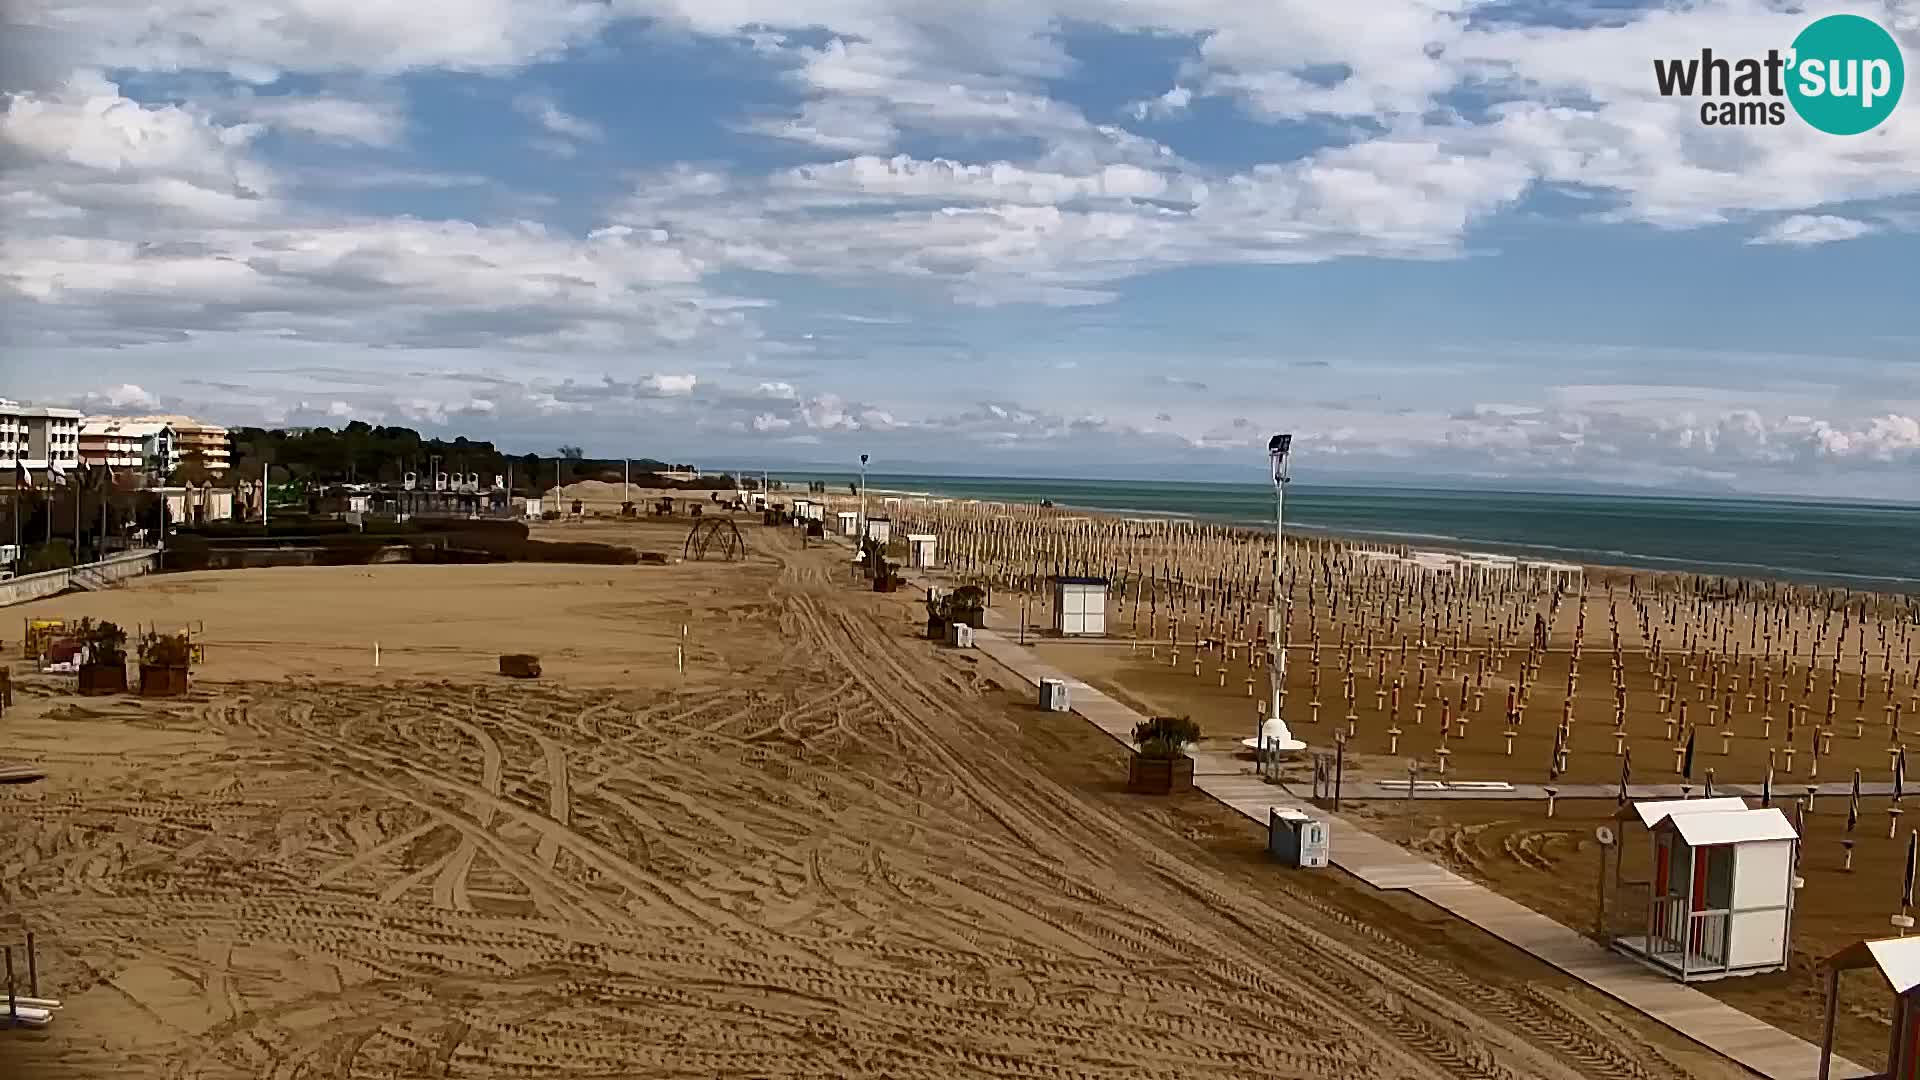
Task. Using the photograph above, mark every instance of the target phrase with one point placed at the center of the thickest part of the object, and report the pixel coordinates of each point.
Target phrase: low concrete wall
(253, 558)
(115, 568)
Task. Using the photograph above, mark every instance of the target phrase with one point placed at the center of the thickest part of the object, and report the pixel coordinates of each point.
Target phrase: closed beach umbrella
(1766, 789)
(1686, 770)
(1899, 774)
(1913, 867)
(1853, 803)
(1626, 773)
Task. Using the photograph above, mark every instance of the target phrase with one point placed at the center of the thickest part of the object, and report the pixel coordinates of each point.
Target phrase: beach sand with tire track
(825, 849)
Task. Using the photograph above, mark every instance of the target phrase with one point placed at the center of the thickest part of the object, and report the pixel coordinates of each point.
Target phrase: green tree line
(366, 453)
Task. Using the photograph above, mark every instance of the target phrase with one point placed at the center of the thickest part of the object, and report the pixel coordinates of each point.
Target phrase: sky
(1431, 238)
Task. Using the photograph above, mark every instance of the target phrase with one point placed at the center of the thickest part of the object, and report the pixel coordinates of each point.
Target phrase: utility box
(920, 550)
(960, 635)
(1300, 841)
(1080, 606)
(1053, 695)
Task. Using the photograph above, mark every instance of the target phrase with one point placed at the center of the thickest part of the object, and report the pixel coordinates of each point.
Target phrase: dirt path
(864, 861)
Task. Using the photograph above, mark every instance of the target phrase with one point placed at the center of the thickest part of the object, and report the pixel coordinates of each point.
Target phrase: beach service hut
(1080, 606)
(802, 510)
(879, 529)
(1898, 962)
(849, 523)
(1719, 900)
(920, 550)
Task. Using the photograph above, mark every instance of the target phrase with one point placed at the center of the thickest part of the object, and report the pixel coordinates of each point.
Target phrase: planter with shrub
(965, 605)
(164, 660)
(1160, 765)
(105, 671)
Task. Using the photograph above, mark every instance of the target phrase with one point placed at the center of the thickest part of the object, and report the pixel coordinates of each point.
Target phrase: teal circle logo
(1846, 74)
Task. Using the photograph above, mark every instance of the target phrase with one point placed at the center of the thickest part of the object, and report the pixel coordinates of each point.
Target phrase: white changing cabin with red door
(1720, 897)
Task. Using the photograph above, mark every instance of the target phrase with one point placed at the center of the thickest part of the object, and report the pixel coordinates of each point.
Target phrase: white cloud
(1172, 103)
(1808, 230)
(256, 40)
(545, 112)
(332, 119)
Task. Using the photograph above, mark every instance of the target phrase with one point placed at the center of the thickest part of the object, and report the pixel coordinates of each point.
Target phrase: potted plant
(164, 659)
(965, 606)
(1160, 764)
(105, 669)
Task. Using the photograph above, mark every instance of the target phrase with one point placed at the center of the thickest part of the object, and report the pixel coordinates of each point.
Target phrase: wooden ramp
(1760, 1047)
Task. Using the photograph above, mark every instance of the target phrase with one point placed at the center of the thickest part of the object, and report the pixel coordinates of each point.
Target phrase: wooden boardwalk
(1760, 1047)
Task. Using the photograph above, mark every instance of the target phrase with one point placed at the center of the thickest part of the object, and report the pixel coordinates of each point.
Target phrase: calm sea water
(1844, 544)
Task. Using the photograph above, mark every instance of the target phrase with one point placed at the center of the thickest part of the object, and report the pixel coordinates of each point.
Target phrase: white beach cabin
(879, 529)
(921, 550)
(1719, 900)
(1080, 606)
(849, 523)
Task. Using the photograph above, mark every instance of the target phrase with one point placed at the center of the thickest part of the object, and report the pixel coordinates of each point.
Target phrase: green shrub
(1165, 736)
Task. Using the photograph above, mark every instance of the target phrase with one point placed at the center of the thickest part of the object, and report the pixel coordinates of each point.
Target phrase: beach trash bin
(1053, 695)
(1298, 840)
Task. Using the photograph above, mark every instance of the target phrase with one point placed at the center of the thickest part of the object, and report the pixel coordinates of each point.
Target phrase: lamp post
(1280, 451)
(862, 543)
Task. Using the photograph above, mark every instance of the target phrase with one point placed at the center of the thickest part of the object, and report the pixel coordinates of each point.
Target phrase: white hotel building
(38, 438)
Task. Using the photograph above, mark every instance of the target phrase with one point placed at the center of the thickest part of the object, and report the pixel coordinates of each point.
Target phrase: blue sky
(1432, 237)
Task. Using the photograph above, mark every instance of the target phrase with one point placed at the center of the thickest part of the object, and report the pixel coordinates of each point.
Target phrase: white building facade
(141, 445)
(38, 438)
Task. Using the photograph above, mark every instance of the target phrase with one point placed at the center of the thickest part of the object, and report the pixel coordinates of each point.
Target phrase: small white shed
(1720, 898)
(920, 550)
(817, 512)
(1080, 606)
(879, 529)
(849, 523)
(802, 510)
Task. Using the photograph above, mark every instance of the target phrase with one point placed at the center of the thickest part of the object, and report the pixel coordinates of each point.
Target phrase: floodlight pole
(861, 544)
(1279, 450)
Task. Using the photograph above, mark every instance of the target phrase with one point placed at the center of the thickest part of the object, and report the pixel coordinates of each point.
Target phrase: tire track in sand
(450, 887)
(559, 800)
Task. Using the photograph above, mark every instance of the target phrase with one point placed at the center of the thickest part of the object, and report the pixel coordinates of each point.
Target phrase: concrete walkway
(1760, 1047)
(1784, 795)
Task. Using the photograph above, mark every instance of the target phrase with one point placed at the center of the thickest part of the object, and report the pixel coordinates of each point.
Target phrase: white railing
(1691, 941)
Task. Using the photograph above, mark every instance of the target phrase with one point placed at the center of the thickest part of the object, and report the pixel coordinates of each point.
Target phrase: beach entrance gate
(920, 550)
(1080, 606)
(1719, 900)
(1898, 962)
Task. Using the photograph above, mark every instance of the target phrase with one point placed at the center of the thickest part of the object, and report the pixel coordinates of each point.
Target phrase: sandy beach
(826, 848)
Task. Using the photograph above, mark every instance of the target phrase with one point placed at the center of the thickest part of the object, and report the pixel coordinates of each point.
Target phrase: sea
(1849, 545)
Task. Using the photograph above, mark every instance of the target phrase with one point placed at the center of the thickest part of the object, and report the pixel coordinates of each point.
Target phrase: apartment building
(128, 444)
(188, 438)
(38, 438)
